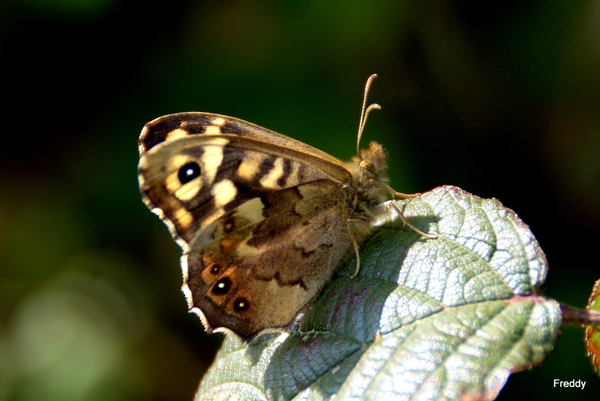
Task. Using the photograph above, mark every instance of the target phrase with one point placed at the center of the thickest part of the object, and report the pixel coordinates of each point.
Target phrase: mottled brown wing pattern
(262, 219)
(252, 272)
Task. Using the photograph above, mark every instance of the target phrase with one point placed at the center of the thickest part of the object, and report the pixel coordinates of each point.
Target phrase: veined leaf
(425, 318)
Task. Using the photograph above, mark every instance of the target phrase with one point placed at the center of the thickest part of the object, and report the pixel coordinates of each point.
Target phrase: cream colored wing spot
(212, 129)
(143, 164)
(219, 121)
(176, 134)
(293, 179)
(212, 157)
(270, 179)
(243, 249)
(215, 128)
(249, 167)
(187, 191)
(211, 218)
(308, 191)
(223, 192)
(183, 217)
(251, 210)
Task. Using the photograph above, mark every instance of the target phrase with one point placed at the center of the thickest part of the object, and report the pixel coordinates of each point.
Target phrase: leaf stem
(575, 315)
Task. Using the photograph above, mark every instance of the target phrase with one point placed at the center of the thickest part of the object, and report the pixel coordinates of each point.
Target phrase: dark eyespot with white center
(241, 305)
(215, 269)
(229, 226)
(188, 172)
(222, 286)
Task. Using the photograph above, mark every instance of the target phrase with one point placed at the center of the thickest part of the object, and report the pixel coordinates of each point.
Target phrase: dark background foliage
(501, 100)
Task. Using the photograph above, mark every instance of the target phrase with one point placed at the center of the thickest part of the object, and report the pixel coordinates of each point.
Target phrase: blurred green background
(501, 99)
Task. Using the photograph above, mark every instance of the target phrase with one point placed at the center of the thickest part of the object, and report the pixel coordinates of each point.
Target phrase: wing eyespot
(229, 226)
(222, 286)
(188, 172)
(241, 305)
(215, 268)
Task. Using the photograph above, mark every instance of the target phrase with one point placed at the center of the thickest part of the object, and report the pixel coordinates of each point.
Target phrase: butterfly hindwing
(235, 274)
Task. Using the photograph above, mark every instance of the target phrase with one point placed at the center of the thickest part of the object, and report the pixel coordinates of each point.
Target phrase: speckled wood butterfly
(263, 219)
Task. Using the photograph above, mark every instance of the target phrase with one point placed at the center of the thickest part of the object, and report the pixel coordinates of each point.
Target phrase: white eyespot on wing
(186, 191)
(270, 179)
(173, 165)
(223, 192)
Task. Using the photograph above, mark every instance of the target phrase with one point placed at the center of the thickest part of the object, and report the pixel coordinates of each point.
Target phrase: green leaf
(429, 318)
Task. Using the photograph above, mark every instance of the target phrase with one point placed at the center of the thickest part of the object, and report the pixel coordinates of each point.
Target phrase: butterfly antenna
(365, 111)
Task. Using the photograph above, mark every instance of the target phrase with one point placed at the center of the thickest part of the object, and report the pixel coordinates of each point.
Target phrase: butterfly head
(372, 162)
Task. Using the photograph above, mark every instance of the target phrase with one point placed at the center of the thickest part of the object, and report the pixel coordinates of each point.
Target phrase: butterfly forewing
(197, 123)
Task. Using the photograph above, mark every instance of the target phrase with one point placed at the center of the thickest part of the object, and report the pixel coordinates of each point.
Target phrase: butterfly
(263, 220)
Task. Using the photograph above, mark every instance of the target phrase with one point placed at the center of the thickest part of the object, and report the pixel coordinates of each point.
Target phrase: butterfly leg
(395, 194)
(408, 224)
(356, 249)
